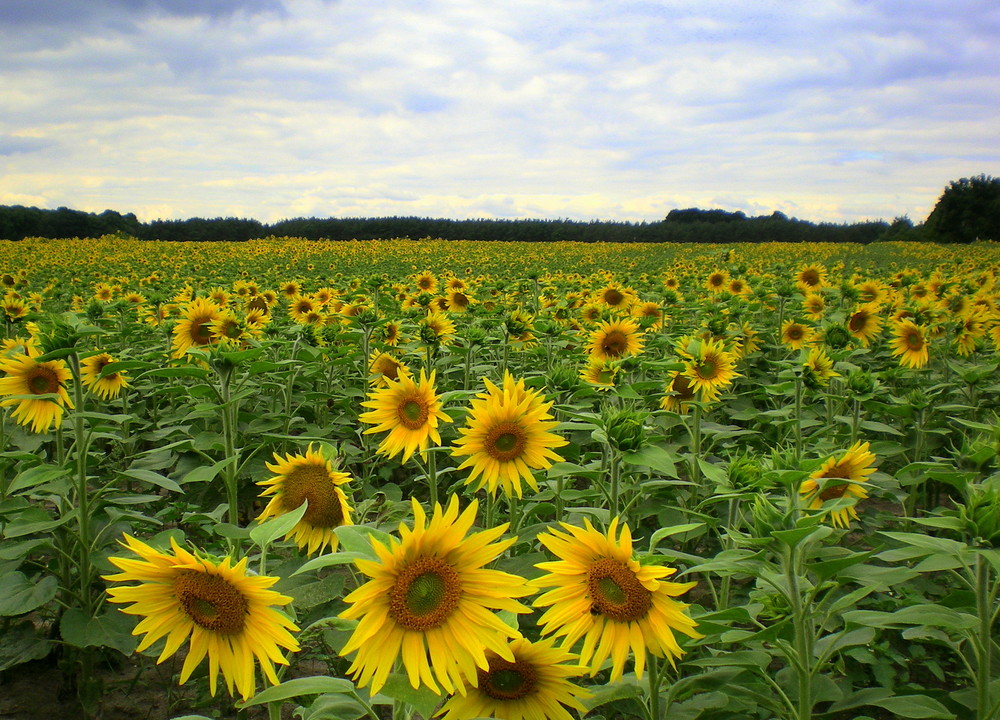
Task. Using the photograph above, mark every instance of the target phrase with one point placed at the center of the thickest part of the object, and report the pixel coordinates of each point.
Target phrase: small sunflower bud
(981, 515)
(861, 383)
(626, 431)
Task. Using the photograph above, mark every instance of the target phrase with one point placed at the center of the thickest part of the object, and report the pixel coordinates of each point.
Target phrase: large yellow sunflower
(910, 343)
(602, 594)
(410, 411)
(534, 686)
(432, 602)
(506, 437)
(616, 339)
(25, 376)
(795, 335)
(227, 614)
(298, 478)
(850, 470)
(810, 277)
(106, 387)
(711, 369)
(195, 327)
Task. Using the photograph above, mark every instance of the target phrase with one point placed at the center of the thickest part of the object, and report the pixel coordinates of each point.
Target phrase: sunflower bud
(836, 337)
(745, 473)
(563, 378)
(626, 430)
(849, 292)
(428, 336)
(784, 288)
(861, 384)
(766, 517)
(981, 515)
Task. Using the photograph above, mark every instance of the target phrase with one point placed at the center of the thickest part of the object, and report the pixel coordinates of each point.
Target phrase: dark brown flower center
(505, 441)
(507, 680)
(858, 322)
(615, 343)
(809, 277)
(914, 340)
(616, 592)
(211, 601)
(682, 388)
(424, 594)
(413, 413)
(313, 483)
(613, 297)
(43, 380)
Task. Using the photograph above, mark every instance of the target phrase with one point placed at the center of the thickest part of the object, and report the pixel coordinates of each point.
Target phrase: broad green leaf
(109, 629)
(669, 531)
(270, 530)
(19, 595)
(357, 539)
(654, 457)
(32, 477)
(208, 473)
(20, 644)
(340, 557)
(914, 706)
(397, 687)
(314, 685)
(154, 478)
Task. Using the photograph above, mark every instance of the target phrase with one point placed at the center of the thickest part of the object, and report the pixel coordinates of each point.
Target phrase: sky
(827, 110)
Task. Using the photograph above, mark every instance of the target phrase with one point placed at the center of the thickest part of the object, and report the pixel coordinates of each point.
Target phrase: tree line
(968, 210)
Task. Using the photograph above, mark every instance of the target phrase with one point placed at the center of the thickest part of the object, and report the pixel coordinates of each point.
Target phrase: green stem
(615, 478)
(856, 421)
(803, 636)
(798, 419)
(432, 477)
(695, 432)
(984, 609)
(654, 686)
(82, 491)
(229, 441)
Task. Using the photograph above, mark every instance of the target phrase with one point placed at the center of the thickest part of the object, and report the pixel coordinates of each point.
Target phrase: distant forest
(691, 225)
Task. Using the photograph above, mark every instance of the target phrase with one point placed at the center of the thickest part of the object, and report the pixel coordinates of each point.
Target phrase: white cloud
(835, 110)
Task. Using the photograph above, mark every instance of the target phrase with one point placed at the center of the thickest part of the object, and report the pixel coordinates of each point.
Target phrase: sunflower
(426, 282)
(795, 334)
(301, 306)
(195, 326)
(810, 277)
(716, 281)
(679, 393)
(441, 328)
(851, 469)
(506, 437)
(616, 339)
(649, 314)
(311, 477)
(711, 369)
(591, 313)
(410, 411)
(864, 324)
(602, 594)
(390, 333)
(600, 374)
(227, 614)
(814, 305)
(24, 375)
(534, 686)
(106, 387)
(459, 301)
(738, 287)
(384, 366)
(615, 296)
(818, 368)
(431, 602)
(910, 343)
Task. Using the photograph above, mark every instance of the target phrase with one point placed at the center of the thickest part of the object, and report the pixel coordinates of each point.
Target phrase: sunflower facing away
(602, 594)
(298, 478)
(506, 437)
(616, 339)
(410, 411)
(23, 375)
(227, 614)
(910, 343)
(432, 602)
(533, 686)
(850, 470)
(106, 387)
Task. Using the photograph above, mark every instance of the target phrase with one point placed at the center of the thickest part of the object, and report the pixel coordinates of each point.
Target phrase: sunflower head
(838, 478)
(409, 410)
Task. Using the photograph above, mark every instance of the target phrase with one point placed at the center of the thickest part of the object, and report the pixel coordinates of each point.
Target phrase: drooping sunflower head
(310, 477)
(601, 593)
(840, 478)
(864, 324)
(679, 393)
(384, 366)
(25, 376)
(814, 305)
(224, 613)
(106, 387)
(431, 601)
(616, 339)
(410, 411)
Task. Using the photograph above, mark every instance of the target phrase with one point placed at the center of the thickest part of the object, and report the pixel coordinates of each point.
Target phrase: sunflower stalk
(225, 373)
(655, 681)
(798, 418)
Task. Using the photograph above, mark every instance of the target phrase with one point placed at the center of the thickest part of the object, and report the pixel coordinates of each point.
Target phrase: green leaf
(330, 559)
(828, 568)
(914, 706)
(21, 644)
(925, 614)
(621, 690)
(270, 530)
(155, 478)
(19, 595)
(713, 472)
(928, 542)
(654, 457)
(397, 686)
(208, 473)
(669, 531)
(314, 685)
(357, 539)
(109, 629)
(32, 477)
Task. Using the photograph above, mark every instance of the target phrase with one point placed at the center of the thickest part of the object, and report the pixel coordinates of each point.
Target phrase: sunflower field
(428, 479)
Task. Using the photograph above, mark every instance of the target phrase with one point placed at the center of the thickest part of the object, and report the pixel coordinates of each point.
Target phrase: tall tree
(968, 210)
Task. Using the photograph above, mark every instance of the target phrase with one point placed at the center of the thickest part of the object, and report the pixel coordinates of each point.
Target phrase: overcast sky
(827, 110)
